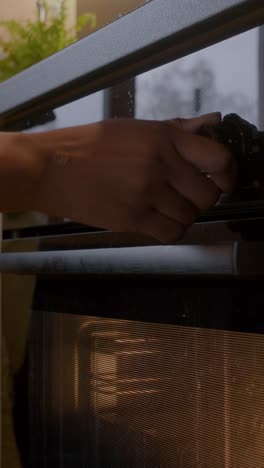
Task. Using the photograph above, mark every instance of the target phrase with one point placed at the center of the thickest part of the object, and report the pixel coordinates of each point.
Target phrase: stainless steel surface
(155, 33)
(232, 259)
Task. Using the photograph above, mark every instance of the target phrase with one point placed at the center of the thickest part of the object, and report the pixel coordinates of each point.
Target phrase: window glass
(223, 77)
(218, 78)
(226, 77)
(80, 112)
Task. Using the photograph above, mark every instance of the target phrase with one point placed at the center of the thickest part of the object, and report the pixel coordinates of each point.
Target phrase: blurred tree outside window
(217, 78)
(24, 44)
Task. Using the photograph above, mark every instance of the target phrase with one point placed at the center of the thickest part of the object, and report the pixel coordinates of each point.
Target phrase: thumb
(193, 125)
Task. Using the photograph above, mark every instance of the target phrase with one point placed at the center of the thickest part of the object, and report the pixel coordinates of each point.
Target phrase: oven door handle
(234, 259)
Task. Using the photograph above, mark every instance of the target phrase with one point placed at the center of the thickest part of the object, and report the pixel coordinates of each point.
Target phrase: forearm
(36, 171)
(62, 152)
(20, 169)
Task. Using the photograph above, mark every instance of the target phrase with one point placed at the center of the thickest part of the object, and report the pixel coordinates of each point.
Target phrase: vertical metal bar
(261, 78)
(119, 101)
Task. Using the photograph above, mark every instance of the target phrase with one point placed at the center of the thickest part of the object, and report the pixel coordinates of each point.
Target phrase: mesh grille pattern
(121, 394)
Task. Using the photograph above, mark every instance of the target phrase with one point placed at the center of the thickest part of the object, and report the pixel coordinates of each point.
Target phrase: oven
(146, 373)
(140, 355)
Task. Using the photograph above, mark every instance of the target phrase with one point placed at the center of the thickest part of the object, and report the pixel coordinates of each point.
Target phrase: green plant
(36, 40)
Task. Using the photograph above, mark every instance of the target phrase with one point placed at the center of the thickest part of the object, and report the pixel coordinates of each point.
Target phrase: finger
(171, 204)
(189, 182)
(203, 153)
(225, 180)
(161, 227)
(194, 125)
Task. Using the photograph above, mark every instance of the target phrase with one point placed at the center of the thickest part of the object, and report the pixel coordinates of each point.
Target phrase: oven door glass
(147, 375)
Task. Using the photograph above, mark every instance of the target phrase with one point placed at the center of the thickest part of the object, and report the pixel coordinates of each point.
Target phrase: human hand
(132, 175)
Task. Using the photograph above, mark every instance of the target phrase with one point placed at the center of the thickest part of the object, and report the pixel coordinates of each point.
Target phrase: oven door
(154, 359)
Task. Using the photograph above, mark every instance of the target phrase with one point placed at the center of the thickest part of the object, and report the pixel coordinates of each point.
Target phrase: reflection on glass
(218, 78)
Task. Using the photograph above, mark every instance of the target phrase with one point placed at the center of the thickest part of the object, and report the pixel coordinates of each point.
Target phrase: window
(223, 78)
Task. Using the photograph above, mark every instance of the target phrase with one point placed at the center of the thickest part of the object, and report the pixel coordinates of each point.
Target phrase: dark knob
(246, 144)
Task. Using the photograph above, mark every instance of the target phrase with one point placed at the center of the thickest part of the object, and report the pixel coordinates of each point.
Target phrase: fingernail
(214, 114)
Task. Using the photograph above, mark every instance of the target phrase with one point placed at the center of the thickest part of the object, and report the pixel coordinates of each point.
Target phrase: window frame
(153, 34)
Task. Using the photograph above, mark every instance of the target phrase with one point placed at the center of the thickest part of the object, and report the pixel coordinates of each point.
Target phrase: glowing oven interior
(134, 394)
